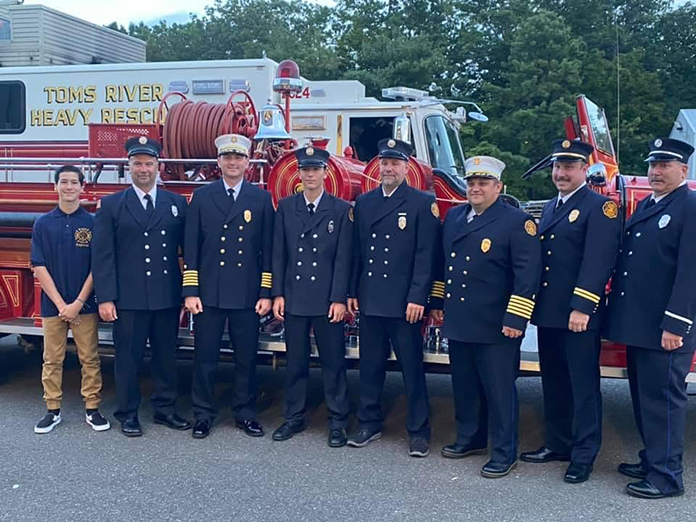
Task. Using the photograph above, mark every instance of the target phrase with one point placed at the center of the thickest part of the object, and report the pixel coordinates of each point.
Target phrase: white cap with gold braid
(233, 144)
(483, 167)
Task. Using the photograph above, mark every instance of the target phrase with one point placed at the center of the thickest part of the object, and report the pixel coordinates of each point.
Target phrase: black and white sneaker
(419, 447)
(97, 420)
(47, 423)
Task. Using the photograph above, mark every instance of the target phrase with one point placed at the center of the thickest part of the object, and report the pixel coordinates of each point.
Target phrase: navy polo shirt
(63, 244)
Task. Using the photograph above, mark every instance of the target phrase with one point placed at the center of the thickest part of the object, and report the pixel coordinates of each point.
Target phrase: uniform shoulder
(367, 195)
(596, 198)
(173, 196)
(341, 204)
(517, 214)
(690, 200)
(113, 199)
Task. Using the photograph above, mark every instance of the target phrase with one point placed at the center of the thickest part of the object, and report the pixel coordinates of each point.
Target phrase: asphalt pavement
(76, 474)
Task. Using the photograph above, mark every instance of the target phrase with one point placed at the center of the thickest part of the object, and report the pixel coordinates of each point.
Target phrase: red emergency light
(287, 78)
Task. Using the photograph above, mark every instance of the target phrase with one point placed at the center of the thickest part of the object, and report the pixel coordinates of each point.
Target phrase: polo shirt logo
(83, 237)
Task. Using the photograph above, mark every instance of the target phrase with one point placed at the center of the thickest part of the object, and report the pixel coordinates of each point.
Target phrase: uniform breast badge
(247, 216)
(485, 245)
(530, 227)
(175, 211)
(664, 221)
(330, 227)
(351, 214)
(435, 210)
(573, 215)
(402, 221)
(610, 209)
(83, 236)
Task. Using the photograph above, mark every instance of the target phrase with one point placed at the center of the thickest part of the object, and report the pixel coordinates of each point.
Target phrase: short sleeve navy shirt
(63, 244)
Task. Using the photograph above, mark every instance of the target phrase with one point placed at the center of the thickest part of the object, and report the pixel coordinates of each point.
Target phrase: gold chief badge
(435, 210)
(573, 215)
(402, 222)
(529, 227)
(610, 209)
(485, 245)
(247, 216)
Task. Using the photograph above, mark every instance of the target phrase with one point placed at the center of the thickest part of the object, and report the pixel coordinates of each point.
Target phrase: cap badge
(565, 144)
(530, 227)
(391, 143)
(233, 139)
(485, 245)
(477, 161)
(309, 151)
(573, 215)
(664, 221)
(142, 140)
(658, 142)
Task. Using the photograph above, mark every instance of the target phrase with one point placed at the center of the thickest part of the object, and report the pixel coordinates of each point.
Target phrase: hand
(279, 308)
(193, 304)
(437, 315)
(70, 312)
(263, 306)
(353, 305)
(337, 311)
(107, 311)
(578, 321)
(414, 312)
(671, 341)
(512, 333)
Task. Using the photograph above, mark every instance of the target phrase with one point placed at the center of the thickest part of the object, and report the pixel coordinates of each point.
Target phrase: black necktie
(230, 193)
(149, 208)
(559, 204)
(310, 207)
(650, 203)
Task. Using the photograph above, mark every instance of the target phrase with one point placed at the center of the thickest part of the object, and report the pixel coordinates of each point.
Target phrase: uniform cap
(483, 167)
(312, 157)
(143, 145)
(571, 150)
(669, 149)
(233, 144)
(393, 148)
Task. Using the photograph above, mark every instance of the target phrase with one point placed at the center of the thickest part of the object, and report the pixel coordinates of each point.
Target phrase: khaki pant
(55, 340)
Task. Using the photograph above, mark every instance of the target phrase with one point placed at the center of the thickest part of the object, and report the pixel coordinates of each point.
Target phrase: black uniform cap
(571, 150)
(397, 149)
(143, 145)
(312, 157)
(669, 149)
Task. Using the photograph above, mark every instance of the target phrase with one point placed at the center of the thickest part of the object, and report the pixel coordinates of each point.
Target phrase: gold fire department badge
(309, 151)
(435, 210)
(477, 161)
(610, 209)
(83, 236)
(247, 216)
(530, 227)
(351, 215)
(573, 215)
(485, 245)
(565, 144)
(142, 140)
(402, 222)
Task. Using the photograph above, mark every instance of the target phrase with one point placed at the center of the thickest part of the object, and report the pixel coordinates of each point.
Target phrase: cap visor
(311, 163)
(393, 155)
(134, 151)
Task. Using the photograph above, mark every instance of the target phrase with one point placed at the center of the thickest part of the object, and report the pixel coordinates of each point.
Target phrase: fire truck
(83, 114)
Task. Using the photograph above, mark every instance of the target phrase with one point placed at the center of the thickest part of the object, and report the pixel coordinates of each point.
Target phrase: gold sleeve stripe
(587, 295)
(266, 280)
(521, 313)
(522, 300)
(521, 306)
(436, 293)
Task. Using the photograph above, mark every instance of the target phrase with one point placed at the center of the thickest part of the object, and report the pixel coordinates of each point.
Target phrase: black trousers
(132, 330)
(490, 369)
(377, 336)
(657, 381)
(243, 328)
(570, 379)
(331, 346)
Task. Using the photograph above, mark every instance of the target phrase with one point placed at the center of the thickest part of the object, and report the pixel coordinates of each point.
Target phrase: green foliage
(523, 61)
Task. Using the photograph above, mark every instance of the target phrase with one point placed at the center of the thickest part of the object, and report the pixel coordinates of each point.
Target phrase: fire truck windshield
(444, 148)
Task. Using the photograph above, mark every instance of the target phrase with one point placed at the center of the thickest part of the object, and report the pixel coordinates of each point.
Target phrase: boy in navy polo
(61, 256)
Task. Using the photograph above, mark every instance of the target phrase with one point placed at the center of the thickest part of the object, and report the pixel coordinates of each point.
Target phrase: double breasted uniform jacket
(394, 250)
(135, 258)
(579, 243)
(312, 254)
(228, 245)
(490, 273)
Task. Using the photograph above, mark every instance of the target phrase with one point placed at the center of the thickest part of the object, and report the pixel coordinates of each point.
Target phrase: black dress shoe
(459, 451)
(497, 469)
(287, 430)
(131, 428)
(201, 429)
(577, 473)
(250, 427)
(337, 438)
(633, 470)
(544, 454)
(645, 489)
(172, 421)
(364, 437)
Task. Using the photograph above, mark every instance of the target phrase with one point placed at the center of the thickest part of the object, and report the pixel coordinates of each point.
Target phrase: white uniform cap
(483, 167)
(233, 143)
